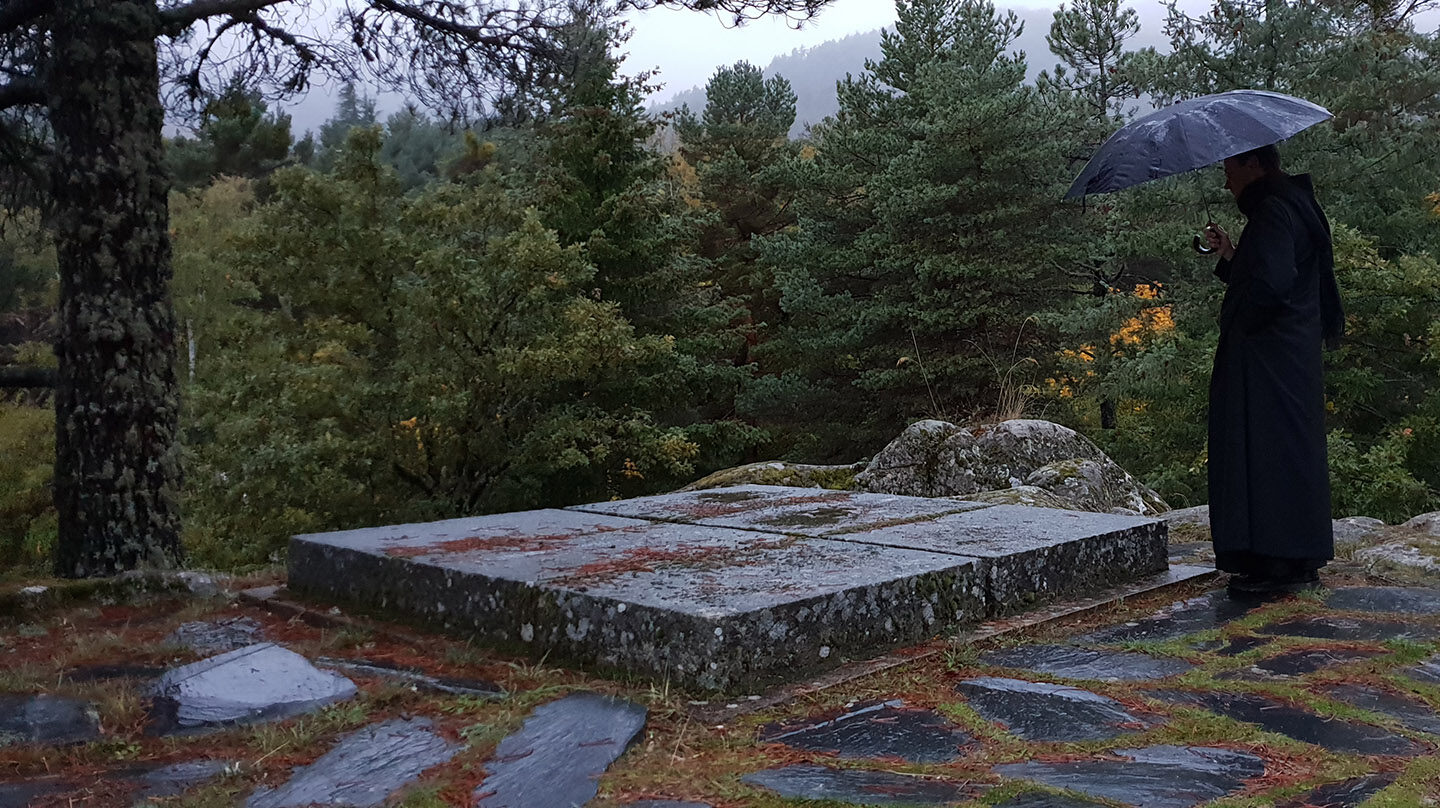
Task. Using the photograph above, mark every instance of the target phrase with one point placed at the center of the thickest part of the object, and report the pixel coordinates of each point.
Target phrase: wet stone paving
(1176, 699)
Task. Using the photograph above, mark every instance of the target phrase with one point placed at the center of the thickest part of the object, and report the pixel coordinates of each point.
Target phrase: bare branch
(473, 34)
(16, 14)
(21, 92)
(178, 18)
(20, 378)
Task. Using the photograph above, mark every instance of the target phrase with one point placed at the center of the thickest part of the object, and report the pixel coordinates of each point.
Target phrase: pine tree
(238, 137)
(924, 218)
(734, 147)
(1089, 37)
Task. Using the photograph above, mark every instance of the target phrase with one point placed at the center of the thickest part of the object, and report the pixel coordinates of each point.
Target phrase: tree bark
(117, 464)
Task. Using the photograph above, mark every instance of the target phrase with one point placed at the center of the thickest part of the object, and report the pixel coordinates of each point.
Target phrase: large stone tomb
(724, 589)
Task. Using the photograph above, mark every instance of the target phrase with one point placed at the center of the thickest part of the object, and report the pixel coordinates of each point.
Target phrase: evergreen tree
(238, 137)
(919, 252)
(352, 109)
(734, 147)
(417, 147)
(1089, 37)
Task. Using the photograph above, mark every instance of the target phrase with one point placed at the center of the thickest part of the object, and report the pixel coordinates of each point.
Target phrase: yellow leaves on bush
(1434, 202)
(1142, 327)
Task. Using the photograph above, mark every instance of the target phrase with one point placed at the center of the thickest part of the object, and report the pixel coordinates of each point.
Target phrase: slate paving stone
(1083, 663)
(260, 683)
(1426, 671)
(875, 730)
(1397, 599)
(856, 787)
(1040, 799)
(1154, 777)
(1210, 611)
(1309, 660)
(556, 759)
(1409, 712)
(1336, 735)
(25, 793)
(178, 778)
(110, 673)
(46, 719)
(1234, 646)
(1348, 794)
(213, 637)
(364, 769)
(1037, 711)
(1352, 629)
(414, 677)
(781, 509)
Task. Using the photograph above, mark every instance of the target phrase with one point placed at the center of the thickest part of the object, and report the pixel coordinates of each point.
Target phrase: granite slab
(1034, 554)
(782, 509)
(709, 607)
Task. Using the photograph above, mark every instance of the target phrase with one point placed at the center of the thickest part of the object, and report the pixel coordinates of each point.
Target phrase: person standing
(1268, 472)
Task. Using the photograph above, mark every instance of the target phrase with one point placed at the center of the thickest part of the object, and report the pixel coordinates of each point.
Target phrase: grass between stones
(676, 757)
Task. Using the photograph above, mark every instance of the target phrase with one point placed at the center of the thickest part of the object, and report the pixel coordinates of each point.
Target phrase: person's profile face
(1240, 173)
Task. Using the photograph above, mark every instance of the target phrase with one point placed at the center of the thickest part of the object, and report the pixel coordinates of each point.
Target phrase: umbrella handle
(1198, 244)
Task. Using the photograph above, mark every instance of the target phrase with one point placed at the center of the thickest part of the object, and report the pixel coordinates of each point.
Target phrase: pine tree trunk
(1107, 413)
(117, 463)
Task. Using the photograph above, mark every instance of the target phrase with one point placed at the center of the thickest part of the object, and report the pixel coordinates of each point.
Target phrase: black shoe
(1260, 585)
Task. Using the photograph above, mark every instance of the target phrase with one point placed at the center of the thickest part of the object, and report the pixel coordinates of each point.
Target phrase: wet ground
(1177, 698)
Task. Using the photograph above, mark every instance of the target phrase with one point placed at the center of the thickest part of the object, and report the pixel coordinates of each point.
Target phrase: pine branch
(21, 92)
(178, 18)
(17, 14)
(20, 378)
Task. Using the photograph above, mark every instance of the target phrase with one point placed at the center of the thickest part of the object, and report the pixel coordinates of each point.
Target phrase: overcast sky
(685, 47)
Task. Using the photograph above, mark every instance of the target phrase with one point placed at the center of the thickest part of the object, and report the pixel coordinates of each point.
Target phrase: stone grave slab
(1345, 794)
(263, 682)
(1397, 599)
(210, 637)
(1036, 553)
(556, 759)
(1155, 777)
(1351, 629)
(875, 730)
(1084, 663)
(1209, 611)
(808, 781)
(1036, 711)
(1304, 661)
(46, 719)
(364, 769)
(1336, 735)
(710, 607)
(1427, 671)
(413, 677)
(1409, 712)
(782, 509)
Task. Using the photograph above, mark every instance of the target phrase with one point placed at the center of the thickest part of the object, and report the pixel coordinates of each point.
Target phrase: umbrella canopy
(1193, 134)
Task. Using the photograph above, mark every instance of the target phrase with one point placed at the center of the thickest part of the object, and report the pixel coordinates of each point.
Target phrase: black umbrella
(1193, 134)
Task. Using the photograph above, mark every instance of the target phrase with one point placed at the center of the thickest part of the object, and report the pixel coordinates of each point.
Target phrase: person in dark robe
(1268, 473)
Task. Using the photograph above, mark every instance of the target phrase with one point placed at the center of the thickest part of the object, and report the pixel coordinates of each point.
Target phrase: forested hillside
(407, 319)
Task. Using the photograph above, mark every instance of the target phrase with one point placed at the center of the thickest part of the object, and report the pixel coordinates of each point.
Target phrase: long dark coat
(1269, 479)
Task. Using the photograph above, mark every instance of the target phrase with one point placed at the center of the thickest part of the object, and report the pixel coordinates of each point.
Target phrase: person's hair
(1268, 157)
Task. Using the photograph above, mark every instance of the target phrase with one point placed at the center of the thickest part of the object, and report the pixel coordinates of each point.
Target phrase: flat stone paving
(1035, 725)
(729, 588)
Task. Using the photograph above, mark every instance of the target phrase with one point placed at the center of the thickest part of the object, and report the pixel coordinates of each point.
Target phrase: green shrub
(27, 512)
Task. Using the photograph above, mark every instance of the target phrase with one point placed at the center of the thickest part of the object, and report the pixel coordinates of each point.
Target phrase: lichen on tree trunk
(117, 467)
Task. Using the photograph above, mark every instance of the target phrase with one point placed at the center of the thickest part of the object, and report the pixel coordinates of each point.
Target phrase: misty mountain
(813, 72)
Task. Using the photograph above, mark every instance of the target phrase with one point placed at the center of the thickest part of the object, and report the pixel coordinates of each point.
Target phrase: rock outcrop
(1019, 462)
(940, 459)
